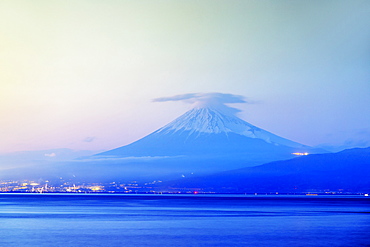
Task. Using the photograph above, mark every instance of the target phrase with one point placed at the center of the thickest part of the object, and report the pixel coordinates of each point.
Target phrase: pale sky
(83, 74)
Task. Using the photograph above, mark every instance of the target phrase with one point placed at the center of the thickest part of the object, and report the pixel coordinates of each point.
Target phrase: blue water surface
(183, 220)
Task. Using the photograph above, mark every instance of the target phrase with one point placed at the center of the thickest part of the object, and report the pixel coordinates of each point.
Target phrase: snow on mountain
(215, 121)
(211, 130)
(209, 138)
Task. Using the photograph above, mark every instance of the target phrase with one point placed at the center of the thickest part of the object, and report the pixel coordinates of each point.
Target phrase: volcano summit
(207, 139)
(205, 131)
(210, 136)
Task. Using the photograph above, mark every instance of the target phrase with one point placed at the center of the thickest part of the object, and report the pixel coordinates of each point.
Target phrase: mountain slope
(348, 170)
(205, 140)
(211, 132)
(214, 121)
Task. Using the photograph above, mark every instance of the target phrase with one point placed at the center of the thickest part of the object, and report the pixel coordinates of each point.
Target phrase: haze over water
(183, 220)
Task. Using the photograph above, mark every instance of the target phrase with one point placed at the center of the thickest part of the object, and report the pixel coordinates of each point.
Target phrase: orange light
(300, 153)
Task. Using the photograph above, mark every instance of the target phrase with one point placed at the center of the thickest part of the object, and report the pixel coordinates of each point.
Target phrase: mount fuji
(209, 138)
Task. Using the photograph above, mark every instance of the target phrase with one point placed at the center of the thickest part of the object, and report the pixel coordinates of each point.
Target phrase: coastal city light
(300, 153)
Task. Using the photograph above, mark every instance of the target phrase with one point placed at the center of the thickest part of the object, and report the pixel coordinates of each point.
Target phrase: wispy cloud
(222, 98)
(89, 139)
(50, 155)
(213, 100)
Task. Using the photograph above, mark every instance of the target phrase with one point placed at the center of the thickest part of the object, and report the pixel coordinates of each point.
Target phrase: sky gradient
(83, 74)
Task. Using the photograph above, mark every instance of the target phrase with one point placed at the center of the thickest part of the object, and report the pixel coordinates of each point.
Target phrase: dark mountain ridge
(207, 137)
(348, 170)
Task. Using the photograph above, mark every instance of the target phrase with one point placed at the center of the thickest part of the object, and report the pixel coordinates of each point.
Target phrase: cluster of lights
(300, 153)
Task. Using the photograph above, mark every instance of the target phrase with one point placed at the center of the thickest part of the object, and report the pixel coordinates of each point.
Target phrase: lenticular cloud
(213, 97)
(210, 100)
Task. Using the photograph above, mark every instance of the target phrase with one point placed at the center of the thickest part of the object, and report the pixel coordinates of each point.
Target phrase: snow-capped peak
(219, 120)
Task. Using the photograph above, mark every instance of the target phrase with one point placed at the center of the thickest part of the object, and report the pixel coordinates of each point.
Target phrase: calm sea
(183, 220)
